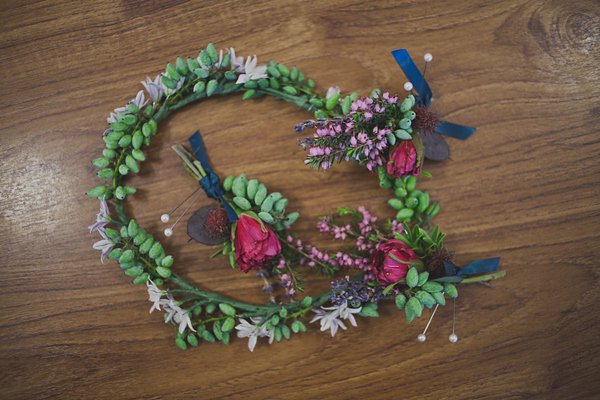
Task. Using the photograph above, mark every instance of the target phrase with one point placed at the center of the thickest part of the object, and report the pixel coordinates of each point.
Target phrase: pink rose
(255, 243)
(404, 160)
(387, 270)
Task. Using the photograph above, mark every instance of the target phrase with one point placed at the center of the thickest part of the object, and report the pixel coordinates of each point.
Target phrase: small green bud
(132, 228)
(101, 162)
(124, 233)
(248, 94)
(172, 72)
(310, 83)
(125, 141)
(123, 169)
(439, 298)
(267, 205)
(273, 71)
(403, 135)
(274, 83)
(208, 336)
(192, 64)
(163, 271)
(155, 250)
(251, 84)
(140, 238)
(307, 301)
(332, 101)
(320, 114)
(412, 277)
(211, 87)
(347, 104)
(167, 261)
(137, 140)
(265, 216)
(410, 115)
(98, 191)
(115, 135)
(228, 324)
(280, 205)
(261, 194)
(285, 331)
(239, 187)
(283, 70)
(263, 83)
(242, 203)
(180, 343)
(413, 309)
(406, 105)
(423, 202)
(199, 86)
(450, 289)
(202, 73)
(396, 203)
(106, 173)
(168, 82)
(143, 278)
(138, 155)
(226, 60)
(291, 218)
(145, 247)
(426, 299)
(433, 287)
(295, 327)
(400, 301)
(404, 123)
(294, 74)
(192, 340)
(316, 102)
(275, 320)
(118, 126)
(210, 308)
(278, 334)
(400, 192)
(227, 309)
(391, 139)
(387, 184)
(290, 90)
(283, 313)
(120, 191)
(228, 182)
(212, 52)
(127, 256)
(252, 188)
(108, 153)
(411, 182)
(134, 271)
(115, 253)
(132, 108)
(204, 58)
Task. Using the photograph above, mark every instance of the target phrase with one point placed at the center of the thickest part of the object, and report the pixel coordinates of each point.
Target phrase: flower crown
(402, 259)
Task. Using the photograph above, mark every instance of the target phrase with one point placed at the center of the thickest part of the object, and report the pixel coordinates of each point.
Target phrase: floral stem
(487, 277)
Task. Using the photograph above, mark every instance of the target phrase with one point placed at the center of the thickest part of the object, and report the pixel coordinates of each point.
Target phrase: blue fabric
(210, 183)
(482, 266)
(424, 95)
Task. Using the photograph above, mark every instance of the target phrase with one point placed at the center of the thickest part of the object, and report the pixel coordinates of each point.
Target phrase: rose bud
(385, 261)
(406, 158)
(255, 243)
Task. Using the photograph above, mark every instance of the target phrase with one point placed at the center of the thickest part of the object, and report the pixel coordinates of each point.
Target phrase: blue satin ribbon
(476, 267)
(210, 183)
(424, 95)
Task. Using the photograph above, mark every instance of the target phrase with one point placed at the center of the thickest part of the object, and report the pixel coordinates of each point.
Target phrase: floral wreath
(401, 259)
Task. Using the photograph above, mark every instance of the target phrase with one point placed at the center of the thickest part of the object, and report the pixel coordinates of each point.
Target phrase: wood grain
(524, 187)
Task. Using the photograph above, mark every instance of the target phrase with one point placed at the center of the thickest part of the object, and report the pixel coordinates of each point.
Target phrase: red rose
(404, 160)
(386, 269)
(255, 243)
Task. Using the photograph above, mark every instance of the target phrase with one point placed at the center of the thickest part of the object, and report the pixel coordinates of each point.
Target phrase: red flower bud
(388, 270)
(255, 243)
(404, 160)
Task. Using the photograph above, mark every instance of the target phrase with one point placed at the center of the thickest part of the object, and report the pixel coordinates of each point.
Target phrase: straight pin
(428, 57)
(165, 217)
(453, 338)
(422, 337)
(169, 231)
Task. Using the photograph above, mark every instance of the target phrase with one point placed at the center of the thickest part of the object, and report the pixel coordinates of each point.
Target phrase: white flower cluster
(174, 313)
(333, 320)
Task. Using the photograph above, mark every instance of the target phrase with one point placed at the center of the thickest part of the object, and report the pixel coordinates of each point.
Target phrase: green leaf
(450, 289)
(199, 86)
(228, 324)
(212, 52)
(332, 101)
(426, 299)
(307, 301)
(180, 343)
(439, 298)
(242, 203)
(423, 276)
(432, 287)
(413, 308)
(369, 310)
(163, 271)
(211, 87)
(132, 228)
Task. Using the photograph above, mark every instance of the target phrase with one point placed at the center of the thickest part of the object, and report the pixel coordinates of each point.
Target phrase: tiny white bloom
(102, 218)
(114, 117)
(140, 100)
(251, 71)
(237, 63)
(105, 245)
(331, 91)
(155, 295)
(171, 91)
(177, 314)
(251, 330)
(154, 88)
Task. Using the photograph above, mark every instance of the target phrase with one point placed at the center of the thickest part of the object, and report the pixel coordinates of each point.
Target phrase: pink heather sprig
(362, 136)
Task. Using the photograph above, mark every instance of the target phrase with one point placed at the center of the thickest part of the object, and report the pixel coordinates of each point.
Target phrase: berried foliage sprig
(349, 128)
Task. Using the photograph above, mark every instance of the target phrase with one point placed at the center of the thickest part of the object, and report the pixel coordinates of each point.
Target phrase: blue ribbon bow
(476, 267)
(210, 182)
(424, 95)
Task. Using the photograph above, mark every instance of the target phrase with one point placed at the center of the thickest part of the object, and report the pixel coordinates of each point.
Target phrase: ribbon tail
(455, 130)
(199, 151)
(480, 266)
(231, 214)
(413, 75)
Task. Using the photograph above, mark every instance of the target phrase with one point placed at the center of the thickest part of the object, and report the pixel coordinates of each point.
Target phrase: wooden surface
(524, 187)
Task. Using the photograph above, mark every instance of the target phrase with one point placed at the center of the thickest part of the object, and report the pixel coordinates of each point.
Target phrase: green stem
(481, 278)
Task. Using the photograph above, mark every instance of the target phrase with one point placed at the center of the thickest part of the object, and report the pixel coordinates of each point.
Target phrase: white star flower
(105, 245)
(252, 72)
(177, 315)
(154, 88)
(237, 63)
(102, 218)
(331, 320)
(155, 295)
(252, 331)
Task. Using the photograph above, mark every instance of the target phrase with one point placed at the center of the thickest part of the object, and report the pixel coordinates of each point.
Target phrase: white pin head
(168, 232)
(421, 337)
(408, 86)
(164, 218)
(453, 338)
(428, 57)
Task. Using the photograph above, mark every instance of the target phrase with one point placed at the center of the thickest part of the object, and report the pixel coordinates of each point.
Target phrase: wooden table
(525, 187)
